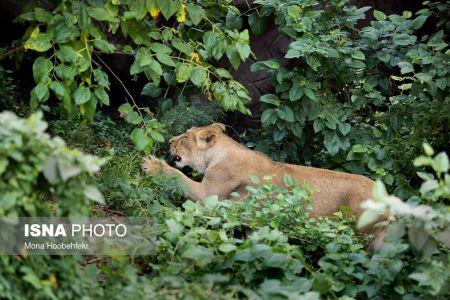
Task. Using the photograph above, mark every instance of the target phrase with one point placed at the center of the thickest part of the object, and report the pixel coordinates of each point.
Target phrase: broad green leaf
(196, 13)
(82, 95)
(165, 59)
(405, 67)
(310, 94)
(38, 41)
(155, 135)
(65, 72)
(419, 21)
(182, 46)
(379, 15)
(104, 46)
(183, 72)
(101, 14)
(233, 21)
(134, 118)
(139, 138)
(160, 48)
(211, 202)
(223, 73)
(102, 95)
(168, 7)
(226, 248)
(358, 55)
(67, 54)
(200, 255)
(428, 149)
(41, 92)
(258, 24)
(151, 90)
(441, 162)
(41, 68)
(42, 15)
(296, 92)
(344, 128)
(92, 193)
(199, 76)
(59, 89)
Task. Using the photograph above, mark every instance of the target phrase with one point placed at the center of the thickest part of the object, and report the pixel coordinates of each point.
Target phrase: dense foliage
(361, 98)
(265, 247)
(173, 45)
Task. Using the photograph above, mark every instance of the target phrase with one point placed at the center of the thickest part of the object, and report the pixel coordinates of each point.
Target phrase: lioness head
(188, 149)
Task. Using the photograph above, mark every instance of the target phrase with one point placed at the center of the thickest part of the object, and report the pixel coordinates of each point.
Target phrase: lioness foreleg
(196, 190)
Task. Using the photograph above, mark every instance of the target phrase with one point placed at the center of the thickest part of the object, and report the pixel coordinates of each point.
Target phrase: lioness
(226, 166)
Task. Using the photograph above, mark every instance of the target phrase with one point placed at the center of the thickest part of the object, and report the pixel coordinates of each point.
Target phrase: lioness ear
(205, 138)
(219, 125)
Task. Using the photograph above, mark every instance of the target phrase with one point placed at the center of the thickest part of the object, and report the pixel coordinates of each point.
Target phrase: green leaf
(104, 46)
(59, 89)
(168, 7)
(359, 148)
(65, 72)
(82, 95)
(183, 72)
(50, 170)
(428, 149)
(125, 108)
(139, 139)
(41, 68)
(233, 21)
(223, 73)
(101, 14)
(102, 95)
(226, 248)
(156, 136)
(151, 90)
(254, 179)
(310, 94)
(42, 15)
(296, 92)
(367, 218)
(67, 54)
(199, 76)
(405, 67)
(41, 92)
(404, 39)
(134, 118)
(182, 47)
(92, 193)
(196, 13)
(200, 255)
(358, 55)
(258, 24)
(344, 128)
(441, 162)
(379, 15)
(211, 202)
(165, 59)
(419, 21)
(160, 48)
(39, 42)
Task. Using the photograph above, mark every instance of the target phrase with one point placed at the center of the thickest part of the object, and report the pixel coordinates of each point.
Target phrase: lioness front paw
(151, 164)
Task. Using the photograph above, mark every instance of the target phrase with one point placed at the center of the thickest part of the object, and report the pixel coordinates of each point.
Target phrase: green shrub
(173, 43)
(359, 99)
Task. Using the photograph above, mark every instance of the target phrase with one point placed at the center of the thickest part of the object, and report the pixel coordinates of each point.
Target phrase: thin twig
(7, 53)
(118, 79)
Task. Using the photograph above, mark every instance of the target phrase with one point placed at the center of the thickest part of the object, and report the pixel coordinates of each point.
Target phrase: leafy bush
(361, 99)
(33, 165)
(172, 42)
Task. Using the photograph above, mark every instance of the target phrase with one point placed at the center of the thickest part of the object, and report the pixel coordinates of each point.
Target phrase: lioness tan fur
(226, 166)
